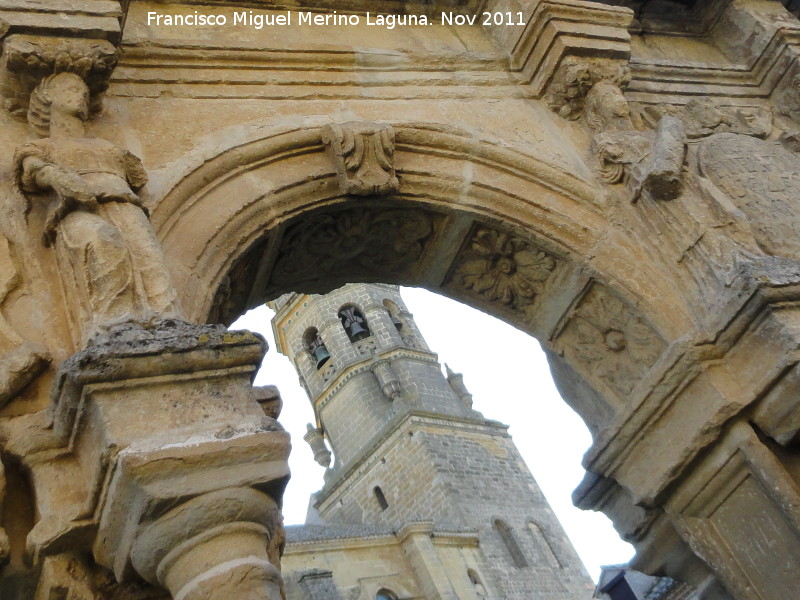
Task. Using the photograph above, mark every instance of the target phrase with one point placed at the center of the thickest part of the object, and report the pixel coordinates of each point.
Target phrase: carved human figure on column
(103, 240)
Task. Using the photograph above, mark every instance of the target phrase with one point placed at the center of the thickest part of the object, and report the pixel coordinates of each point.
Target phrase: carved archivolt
(502, 268)
(608, 339)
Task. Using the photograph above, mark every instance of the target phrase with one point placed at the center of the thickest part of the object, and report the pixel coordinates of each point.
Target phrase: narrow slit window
(380, 497)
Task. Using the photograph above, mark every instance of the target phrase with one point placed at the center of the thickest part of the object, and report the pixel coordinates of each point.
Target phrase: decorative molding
(100, 19)
(558, 30)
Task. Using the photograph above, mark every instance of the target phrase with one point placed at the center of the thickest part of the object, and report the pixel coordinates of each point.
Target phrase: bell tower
(407, 445)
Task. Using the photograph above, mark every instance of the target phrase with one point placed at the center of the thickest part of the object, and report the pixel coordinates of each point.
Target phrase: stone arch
(242, 228)
(496, 227)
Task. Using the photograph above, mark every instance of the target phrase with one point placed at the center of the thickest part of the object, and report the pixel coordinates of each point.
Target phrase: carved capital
(363, 153)
(27, 59)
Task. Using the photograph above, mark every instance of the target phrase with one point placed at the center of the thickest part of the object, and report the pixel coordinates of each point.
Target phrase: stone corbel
(363, 153)
(27, 59)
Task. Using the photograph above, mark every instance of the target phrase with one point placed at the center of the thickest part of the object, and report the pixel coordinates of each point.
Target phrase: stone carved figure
(95, 219)
(570, 93)
(646, 162)
(364, 156)
(606, 108)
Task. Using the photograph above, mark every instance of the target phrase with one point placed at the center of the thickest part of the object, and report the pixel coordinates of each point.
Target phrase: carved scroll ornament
(363, 153)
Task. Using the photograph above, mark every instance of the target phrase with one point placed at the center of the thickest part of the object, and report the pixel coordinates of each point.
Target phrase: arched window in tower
(316, 347)
(511, 544)
(380, 497)
(394, 315)
(384, 594)
(354, 323)
(480, 591)
(543, 545)
(399, 322)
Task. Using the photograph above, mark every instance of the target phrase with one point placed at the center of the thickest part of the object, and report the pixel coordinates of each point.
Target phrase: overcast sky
(507, 374)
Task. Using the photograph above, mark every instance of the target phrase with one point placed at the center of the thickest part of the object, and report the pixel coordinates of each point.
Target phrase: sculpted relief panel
(610, 340)
(502, 271)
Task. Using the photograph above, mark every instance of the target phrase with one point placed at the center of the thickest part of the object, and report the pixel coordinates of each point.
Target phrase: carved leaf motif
(611, 341)
(361, 243)
(503, 268)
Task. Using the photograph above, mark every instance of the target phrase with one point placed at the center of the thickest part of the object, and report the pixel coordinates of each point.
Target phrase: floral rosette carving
(503, 268)
(614, 342)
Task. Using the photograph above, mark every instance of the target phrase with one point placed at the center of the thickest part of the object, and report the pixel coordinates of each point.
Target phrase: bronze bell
(398, 324)
(357, 332)
(322, 355)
